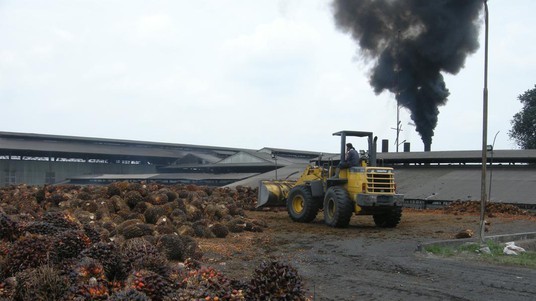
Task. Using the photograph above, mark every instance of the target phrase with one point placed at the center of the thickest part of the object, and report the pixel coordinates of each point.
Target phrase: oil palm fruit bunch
(87, 268)
(89, 280)
(138, 253)
(28, 251)
(132, 198)
(108, 255)
(62, 219)
(41, 283)
(69, 244)
(275, 281)
(39, 227)
(129, 295)
(207, 283)
(172, 246)
(92, 233)
(8, 228)
(150, 283)
(219, 230)
(92, 289)
(7, 288)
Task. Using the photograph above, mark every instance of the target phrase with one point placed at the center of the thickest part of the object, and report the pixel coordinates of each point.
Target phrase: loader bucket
(273, 193)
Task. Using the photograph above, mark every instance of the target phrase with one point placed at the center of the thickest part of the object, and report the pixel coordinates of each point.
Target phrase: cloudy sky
(235, 73)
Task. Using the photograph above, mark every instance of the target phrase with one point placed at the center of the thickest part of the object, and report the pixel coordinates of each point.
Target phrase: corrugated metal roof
(475, 156)
(180, 176)
(61, 147)
(207, 158)
(78, 145)
(288, 151)
(260, 158)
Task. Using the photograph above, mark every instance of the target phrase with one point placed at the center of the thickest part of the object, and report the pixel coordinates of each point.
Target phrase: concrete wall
(42, 172)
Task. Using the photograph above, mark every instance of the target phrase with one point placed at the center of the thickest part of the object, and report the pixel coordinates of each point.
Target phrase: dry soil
(364, 262)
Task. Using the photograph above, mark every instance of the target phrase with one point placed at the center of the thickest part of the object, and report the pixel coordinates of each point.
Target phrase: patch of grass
(526, 259)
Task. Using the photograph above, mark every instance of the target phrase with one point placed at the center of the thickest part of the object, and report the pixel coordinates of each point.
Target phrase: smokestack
(385, 146)
(427, 147)
(412, 43)
(407, 147)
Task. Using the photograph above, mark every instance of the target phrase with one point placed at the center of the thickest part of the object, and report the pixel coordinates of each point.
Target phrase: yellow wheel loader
(364, 190)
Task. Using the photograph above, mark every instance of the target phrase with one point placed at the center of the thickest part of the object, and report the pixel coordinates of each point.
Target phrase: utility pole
(483, 197)
(398, 126)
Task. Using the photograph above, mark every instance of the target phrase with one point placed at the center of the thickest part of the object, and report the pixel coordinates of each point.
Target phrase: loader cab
(369, 154)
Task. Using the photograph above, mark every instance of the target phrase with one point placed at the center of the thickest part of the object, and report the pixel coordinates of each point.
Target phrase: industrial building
(423, 177)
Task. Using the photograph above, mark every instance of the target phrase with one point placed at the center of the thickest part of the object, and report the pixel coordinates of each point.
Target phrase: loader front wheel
(389, 219)
(301, 205)
(338, 208)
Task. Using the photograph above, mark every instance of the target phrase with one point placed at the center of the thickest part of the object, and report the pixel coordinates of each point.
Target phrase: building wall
(13, 172)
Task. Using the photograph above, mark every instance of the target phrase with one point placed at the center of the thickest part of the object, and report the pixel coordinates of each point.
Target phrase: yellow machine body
(366, 189)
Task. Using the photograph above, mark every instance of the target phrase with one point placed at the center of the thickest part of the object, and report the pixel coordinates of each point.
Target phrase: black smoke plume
(411, 42)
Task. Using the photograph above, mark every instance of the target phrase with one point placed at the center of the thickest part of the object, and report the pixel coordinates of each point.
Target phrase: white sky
(234, 73)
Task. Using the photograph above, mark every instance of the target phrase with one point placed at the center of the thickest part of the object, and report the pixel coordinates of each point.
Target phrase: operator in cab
(351, 159)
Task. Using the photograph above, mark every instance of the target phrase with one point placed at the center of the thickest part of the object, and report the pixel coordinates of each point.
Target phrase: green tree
(523, 130)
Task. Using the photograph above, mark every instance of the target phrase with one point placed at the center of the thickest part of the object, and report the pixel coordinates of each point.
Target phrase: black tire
(338, 208)
(301, 205)
(389, 219)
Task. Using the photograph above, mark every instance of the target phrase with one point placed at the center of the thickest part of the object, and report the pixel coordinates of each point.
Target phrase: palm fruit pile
(492, 209)
(127, 241)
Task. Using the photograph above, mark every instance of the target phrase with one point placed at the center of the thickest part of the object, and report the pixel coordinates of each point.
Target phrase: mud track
(363, 262)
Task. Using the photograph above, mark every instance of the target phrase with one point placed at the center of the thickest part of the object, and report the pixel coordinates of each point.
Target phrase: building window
(50, 177)
(10, 178)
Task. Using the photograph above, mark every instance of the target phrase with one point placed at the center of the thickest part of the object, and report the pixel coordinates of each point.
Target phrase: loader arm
(275, 192)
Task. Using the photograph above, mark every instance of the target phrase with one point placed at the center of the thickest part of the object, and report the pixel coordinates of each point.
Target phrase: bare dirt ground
(364, 262)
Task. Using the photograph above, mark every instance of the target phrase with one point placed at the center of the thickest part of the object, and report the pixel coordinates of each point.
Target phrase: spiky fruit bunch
(90, 290)
(5, 246)
(63, 220)
(7, 288)
(129, 295)
(152, 284)
(41, 283)
(113, 189)
(92, 232)
(201, 229)
(236, 225)
(29, 251)
(8, 228)
(208, 284)
(108, 255)
(84, 196)
(191, 248)
(138, 230)
(69, 244)
(152, 214)
(172, 195)
(132, 198)
(56, 198)
(219, 230)
(157, 198)
(275, 281)
(86, 269)
(40, 227)
(138, 254)
(172, 246)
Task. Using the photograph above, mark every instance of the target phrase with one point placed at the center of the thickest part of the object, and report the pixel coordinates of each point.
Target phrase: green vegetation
(523, 130)
(472, 251)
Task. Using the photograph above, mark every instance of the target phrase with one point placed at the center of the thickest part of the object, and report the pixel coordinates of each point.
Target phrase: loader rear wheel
(338, 208)
(389, 219)
(301, 205)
